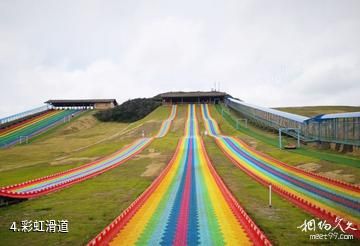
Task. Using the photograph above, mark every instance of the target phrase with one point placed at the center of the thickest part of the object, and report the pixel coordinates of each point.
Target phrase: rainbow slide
(34, 126)
(188, 204)
(44, 185)
(321, 196)
(165, 127)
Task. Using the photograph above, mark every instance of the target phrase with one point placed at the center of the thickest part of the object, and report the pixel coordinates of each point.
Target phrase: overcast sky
(271, 53)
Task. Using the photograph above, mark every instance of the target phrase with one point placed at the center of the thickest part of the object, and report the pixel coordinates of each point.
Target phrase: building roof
(337, 115)
(79, 102)
(82, 101)
(295, 117)
(192, 94)
(299, 118)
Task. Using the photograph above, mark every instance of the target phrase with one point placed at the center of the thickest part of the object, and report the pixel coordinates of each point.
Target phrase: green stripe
(153, 223)
(335, 158)
(34, 127)
(213, 222)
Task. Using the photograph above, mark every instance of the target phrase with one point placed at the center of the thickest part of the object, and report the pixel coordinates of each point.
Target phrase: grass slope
(267, 142)
(316, 110)
(279, 222)
(71, 145)
(93, 204)
(129, 111)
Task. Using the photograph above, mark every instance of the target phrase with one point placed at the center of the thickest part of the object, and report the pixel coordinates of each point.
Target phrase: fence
(23, 114)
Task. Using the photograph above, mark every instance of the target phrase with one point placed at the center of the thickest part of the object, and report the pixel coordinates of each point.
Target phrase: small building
(192, 97)
(83, 103)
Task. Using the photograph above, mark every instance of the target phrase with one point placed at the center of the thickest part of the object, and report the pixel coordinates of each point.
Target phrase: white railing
(23, 114)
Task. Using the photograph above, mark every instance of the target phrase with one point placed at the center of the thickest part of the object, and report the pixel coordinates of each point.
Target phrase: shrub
(129, 111)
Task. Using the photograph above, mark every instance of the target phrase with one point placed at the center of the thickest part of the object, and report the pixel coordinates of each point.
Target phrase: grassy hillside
(93, 204)
(327, 162)
(73, 144)
(129, 111)
(279, 222)
(316, 110)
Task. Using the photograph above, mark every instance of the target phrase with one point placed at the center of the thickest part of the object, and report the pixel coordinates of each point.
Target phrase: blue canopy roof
(338, 115)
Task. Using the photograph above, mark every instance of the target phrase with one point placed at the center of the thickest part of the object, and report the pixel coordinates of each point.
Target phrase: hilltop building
(192, 97)
(83, 103)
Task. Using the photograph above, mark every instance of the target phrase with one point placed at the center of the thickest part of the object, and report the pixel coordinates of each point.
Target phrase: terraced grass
(91, 205)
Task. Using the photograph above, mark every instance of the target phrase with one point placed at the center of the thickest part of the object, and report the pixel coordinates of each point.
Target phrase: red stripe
(253, 232)
(108, 233)
(71, 182)
(183, 221)
(300, 202)
(338, 183)
(39, 180)
(22, 122)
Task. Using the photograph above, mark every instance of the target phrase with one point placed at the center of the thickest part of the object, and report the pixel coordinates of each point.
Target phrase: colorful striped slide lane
(10, 136)
(165, 127)
(41, 186)
(188, 204)
(23, 124)
(323, 197)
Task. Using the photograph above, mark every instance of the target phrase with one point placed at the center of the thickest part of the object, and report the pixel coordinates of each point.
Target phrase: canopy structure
(192, 97)
(83, 103)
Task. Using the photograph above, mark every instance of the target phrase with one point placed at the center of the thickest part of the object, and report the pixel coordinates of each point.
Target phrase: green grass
(35, 160)
(267, 142)
(89, 206)
(53, 130)
(279, 222)
(316, 110)
(93, 204)
(77, 138)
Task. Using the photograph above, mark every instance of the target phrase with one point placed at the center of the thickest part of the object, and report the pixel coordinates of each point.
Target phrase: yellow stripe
(312, 179)
(131, 232)
(269, 180)
(232, 231)
(28, 124)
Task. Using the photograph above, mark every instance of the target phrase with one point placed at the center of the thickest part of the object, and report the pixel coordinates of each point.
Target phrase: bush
(129, 111)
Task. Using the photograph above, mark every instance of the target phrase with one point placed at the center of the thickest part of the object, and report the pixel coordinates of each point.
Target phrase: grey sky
(271, 53)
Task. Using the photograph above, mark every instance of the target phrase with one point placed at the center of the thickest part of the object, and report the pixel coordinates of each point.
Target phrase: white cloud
(271, 53)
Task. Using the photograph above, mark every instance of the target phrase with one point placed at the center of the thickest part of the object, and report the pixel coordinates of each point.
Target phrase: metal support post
(298, 138)
(280, 138)
(270, 205)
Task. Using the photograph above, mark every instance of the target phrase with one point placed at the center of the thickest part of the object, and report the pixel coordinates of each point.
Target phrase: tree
(129, 111)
